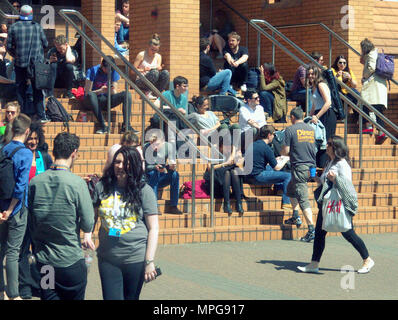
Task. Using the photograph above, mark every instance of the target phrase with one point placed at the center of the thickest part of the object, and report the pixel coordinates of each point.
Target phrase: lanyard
(116, 204)
(59, 167)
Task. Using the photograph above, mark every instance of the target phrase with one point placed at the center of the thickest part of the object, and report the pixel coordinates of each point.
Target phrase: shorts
(298, 187)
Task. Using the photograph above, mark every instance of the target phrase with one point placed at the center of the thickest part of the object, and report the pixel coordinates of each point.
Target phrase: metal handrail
(64, 14)
(254, 23)
(331, 33)
(13, 10)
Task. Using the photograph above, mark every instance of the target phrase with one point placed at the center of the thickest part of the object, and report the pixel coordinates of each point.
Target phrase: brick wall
(177, 24)
(101, 14)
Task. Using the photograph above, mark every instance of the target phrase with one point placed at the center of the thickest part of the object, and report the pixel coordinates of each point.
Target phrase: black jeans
(239, 74)
(350, 236)
(121, 281)
(380, 108)
(99, 103)
(22, 86)
(62, 75)
(70, 282)
(329, 120)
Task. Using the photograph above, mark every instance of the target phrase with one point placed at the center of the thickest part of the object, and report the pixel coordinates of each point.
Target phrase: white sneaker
(307, 269)
(366, 268)
(243, 88)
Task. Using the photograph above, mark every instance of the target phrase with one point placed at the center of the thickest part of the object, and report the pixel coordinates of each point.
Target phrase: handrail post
(109, 98)
(193, 209)
(258, 49)
(126, 99)
(67, 31)
(273, 49)
(360, 136)
(307, 101)
(143, 124)
(83, 53)
(330, 50)
(212, 195)
(345, 122)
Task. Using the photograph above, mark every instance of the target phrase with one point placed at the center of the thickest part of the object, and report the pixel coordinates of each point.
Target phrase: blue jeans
(12, 233)
(267, 101)
(222, 81)
(121, 281)
(271, 176)
(158, 180)
(123, 34)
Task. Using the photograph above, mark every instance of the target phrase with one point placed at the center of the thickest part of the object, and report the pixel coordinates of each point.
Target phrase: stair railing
(361, 102)
(255, 23)
(65, 13)
(332, 35)
(11, 8)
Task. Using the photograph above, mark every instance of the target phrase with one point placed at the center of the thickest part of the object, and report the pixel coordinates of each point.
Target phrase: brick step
(268, 217)
(375, 162)
(270, 202)
(261, 232)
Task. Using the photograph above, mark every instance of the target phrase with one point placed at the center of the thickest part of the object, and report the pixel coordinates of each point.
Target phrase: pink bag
(200, 190)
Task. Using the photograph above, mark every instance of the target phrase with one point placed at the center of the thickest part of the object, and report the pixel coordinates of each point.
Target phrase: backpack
(337, 105)
(56, 112)
(7, 174)
(252, 78)
(385, 66)
(92, 180)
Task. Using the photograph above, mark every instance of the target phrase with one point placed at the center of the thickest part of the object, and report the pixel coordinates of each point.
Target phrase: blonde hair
(155, 40)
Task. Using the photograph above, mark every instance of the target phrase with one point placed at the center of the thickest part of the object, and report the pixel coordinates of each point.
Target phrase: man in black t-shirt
(236, 60)
(62, 58)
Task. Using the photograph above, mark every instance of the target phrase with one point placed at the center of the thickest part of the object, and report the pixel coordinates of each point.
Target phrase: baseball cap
(26, 13)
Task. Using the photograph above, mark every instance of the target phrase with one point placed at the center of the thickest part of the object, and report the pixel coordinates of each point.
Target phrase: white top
(246, 113)
(341, 168)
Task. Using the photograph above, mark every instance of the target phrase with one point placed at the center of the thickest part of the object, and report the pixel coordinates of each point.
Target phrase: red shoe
(367, 131)
(381, 138)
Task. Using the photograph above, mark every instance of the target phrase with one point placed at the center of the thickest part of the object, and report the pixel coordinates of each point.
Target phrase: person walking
(129, 229)
(337, 173)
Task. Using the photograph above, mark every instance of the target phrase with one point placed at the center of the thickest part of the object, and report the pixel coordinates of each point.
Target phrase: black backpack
(337, 105)
(56, 112)
(7, 174)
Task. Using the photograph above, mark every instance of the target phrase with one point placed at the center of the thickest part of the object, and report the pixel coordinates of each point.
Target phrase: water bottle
(88, 258)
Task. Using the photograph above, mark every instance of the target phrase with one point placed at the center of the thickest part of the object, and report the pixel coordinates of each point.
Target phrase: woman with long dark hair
(321, 106)
(129, 229)
(272, 93)
(338, 173)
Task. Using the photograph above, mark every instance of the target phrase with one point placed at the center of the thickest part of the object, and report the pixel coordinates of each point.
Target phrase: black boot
(227, 207)
(239, 207)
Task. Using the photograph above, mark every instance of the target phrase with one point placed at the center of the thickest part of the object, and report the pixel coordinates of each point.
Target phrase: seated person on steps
(236, 58)
(96, 94)
(149, 63)
(209, 77)
(62, 58)
(161, 169)
(122, 49)
(266, 168)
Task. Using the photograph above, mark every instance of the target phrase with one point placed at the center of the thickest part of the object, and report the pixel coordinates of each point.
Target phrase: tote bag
(335, 218)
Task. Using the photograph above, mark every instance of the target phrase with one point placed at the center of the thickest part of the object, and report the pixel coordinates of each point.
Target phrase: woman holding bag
(337, 173)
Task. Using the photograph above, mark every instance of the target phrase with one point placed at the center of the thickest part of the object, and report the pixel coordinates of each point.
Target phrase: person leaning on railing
(374, 87)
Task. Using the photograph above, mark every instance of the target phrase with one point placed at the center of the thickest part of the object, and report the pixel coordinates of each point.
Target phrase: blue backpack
(385, 66)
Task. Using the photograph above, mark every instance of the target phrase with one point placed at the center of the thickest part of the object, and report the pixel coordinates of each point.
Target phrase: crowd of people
(125, 198)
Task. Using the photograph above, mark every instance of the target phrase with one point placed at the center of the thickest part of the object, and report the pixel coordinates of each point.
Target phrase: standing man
(26, 43)
(59, 207)
(13, 212)
(236, 60)
(300, 145)
(62, 58)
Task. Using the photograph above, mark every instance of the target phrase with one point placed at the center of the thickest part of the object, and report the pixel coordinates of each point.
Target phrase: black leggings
(231, 178)
(350, 236)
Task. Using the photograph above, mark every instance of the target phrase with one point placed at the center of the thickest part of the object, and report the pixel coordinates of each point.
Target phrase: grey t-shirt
(300, 137)
(130, 247)
(202, 122)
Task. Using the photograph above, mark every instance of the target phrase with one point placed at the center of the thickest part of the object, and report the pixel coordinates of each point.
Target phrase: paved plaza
(267, 270)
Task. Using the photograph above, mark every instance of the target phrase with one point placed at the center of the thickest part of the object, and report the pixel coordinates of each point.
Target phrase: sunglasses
(11, 112)
(342, 62)
(256, 98)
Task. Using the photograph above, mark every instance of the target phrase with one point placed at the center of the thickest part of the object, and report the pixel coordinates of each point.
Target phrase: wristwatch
(148, 262)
